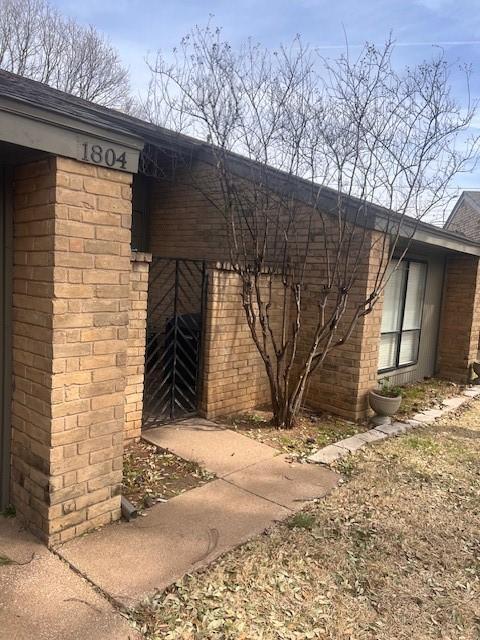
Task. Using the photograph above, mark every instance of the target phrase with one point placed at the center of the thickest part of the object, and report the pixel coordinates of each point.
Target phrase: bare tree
(38, 42)
(376, 150)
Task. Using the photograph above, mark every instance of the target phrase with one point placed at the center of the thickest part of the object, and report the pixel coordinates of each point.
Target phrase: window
(402, 315)
(140, 193)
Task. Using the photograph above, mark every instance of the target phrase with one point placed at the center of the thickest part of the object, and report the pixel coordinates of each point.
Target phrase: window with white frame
(402, 315)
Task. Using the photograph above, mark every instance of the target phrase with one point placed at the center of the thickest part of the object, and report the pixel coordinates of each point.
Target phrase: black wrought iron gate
(176, 294)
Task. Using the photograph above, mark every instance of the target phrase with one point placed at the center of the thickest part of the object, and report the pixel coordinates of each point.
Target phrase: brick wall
(136, 344)
(184, 223)
(234, 377)
(349, 371)
(71, 306)
(460, 318)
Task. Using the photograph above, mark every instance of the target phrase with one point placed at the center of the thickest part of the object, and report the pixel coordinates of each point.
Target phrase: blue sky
(138, 26)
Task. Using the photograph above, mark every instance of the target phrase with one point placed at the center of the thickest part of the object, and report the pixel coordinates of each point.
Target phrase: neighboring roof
(37, 94)
(475, 196)
(472, 198)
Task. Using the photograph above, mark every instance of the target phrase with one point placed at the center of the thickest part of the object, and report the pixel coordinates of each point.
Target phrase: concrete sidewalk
(42, 598)
(212, 446)
(255, 487)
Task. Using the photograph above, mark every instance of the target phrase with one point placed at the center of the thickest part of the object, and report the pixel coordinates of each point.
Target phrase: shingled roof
(474, 196)
(464, 218)
(37, 94)
(41, 95)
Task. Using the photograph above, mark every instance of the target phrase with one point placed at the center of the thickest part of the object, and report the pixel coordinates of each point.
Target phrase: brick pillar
(460, 318)
(341, 386)
(32, 342)
(366, 364)
(136, 344)
(71, 303)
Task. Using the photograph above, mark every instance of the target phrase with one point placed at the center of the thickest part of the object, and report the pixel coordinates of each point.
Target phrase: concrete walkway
(213, 447)
(255, 487)
(42, 598)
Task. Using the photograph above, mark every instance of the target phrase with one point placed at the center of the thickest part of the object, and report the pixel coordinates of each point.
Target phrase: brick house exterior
(75, 295)
(183, 222)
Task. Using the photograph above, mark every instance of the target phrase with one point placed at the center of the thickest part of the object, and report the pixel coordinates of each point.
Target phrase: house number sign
(106, 154)
(99, 154)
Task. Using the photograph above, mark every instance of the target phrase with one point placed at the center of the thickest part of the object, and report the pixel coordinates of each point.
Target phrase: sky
(137, 27)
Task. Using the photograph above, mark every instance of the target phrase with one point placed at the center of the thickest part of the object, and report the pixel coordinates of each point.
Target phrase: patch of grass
(251, 419)
(433, 450)
(425, 444)
(418, 476)
(9, 511)
(302, 521)
(255, 418)
(392, 554)
(346, 466)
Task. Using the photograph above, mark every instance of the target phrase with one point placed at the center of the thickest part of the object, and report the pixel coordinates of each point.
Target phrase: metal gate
(176, 294)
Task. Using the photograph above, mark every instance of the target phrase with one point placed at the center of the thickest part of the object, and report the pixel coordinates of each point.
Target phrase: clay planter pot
(382, 405)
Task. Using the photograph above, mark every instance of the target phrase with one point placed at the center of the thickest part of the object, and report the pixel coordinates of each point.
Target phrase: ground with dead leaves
(394, 554)
(311, 431)
(151, 475)
(314, 430)
(427, 394)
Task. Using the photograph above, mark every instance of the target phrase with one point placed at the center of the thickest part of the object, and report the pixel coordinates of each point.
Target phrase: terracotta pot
(382, 405)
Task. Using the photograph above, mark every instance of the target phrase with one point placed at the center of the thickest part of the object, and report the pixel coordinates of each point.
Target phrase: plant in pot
(385, 401)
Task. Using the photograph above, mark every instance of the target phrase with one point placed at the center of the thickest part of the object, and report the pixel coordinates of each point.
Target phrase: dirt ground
(394, 554)
(315, 429)
(312, 431)
(426, 395)
(151, 476)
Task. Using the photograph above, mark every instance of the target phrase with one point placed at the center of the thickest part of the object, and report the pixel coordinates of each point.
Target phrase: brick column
(341, 386)
(460, 318)
(137, 316)
(370, 326)
(71, 304)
